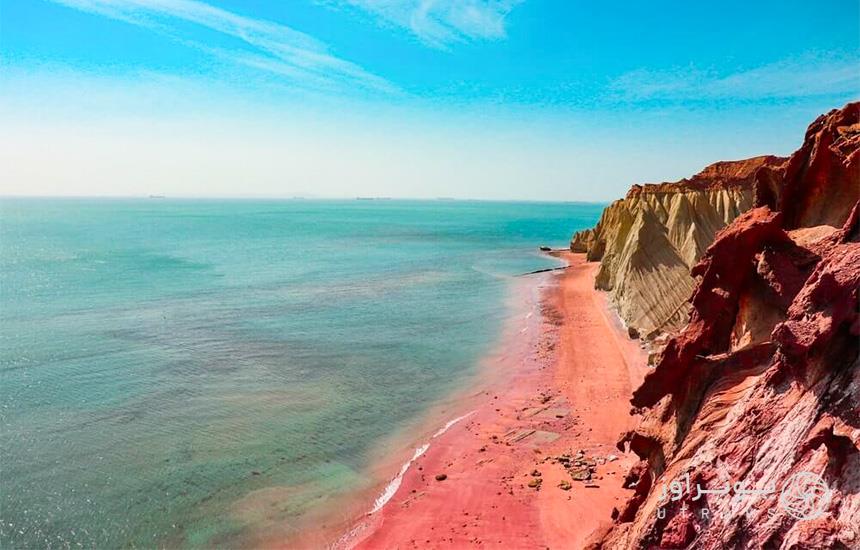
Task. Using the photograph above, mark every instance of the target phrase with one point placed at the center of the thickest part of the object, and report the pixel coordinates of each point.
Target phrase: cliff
(750, 427)
(648, 242)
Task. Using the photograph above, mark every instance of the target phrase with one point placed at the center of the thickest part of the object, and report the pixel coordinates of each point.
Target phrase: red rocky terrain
(750, 428)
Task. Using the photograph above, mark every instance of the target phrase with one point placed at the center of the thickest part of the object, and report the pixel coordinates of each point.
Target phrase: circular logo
(805, 496)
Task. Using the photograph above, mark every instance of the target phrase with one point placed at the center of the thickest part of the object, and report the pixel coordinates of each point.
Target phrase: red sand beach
(533, 465)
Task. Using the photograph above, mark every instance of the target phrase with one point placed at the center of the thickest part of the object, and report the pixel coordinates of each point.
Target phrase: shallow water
(162, 359)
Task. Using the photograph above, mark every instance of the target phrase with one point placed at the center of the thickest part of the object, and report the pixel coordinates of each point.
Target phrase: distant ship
(156, 196)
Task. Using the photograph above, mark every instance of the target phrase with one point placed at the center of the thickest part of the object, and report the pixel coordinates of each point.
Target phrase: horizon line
(363, 198)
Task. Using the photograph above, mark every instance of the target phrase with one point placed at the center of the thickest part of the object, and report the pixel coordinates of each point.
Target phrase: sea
(162, 359)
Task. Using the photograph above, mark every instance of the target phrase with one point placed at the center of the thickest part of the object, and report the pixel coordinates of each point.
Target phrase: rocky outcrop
(750, 427)
(648, 242)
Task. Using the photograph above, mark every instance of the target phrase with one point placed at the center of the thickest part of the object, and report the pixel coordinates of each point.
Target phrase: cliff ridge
(648, 242)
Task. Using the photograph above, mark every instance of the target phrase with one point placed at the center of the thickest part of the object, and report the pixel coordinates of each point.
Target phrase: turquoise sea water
(162, 359)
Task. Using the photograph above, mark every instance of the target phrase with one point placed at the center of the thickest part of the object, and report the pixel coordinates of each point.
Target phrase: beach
(530, 460)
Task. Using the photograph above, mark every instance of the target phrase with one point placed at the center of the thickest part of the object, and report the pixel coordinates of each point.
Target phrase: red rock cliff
(754, 406)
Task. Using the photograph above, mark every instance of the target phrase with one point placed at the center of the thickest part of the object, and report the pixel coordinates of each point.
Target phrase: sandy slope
(569, 392)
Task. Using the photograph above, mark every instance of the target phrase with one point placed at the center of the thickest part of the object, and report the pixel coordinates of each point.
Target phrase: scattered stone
(564, 485)
(581, 475)
(536, 473)
(441, 477)
(611, 458)
(535, 483)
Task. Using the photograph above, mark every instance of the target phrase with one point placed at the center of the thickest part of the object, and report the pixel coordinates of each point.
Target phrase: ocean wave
(393, 485)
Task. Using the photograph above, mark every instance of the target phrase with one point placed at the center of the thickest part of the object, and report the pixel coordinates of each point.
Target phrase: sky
(496, 99)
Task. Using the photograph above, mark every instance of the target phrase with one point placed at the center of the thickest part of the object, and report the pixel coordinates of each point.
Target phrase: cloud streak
(439, 23)
(786, 79)
(267, 46)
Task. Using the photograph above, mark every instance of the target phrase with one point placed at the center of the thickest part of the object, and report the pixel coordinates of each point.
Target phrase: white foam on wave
(394, 484)
(450, 423)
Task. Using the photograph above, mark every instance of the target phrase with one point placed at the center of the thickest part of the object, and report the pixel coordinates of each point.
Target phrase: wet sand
(547, 418)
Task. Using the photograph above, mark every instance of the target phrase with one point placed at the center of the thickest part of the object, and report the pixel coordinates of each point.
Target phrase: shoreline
(541, 396)
(348, 518)
(497, 369)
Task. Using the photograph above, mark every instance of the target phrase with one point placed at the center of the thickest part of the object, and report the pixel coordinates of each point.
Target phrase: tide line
(394, 484)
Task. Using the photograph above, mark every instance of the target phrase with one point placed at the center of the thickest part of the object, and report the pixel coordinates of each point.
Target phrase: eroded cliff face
(648, 242)
(754, 406)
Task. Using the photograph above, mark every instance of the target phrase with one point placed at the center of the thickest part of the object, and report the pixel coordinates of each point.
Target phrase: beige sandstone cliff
(648, 242)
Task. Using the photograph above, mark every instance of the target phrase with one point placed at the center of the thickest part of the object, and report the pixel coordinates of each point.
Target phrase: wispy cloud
(266, 45)
(792, 78)
(442, 22)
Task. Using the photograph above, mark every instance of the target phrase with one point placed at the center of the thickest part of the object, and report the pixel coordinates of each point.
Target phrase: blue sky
(509, 99)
